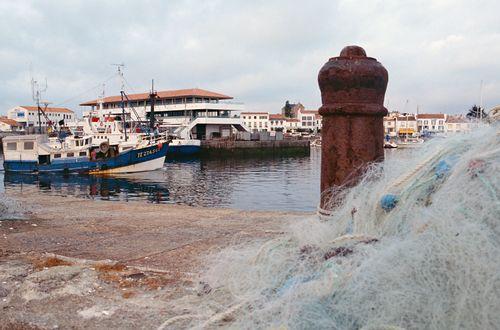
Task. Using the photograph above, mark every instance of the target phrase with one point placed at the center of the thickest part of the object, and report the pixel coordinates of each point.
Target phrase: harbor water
(268, 183)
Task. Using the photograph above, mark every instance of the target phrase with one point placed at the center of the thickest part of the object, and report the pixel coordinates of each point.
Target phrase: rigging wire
(86, 91)
(129, 86)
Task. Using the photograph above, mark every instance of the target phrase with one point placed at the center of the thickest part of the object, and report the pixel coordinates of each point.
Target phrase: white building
(397, 125)
(256, 121)
(459, 124)
(431, 122)
(9, 125)
(278, 122)
(309, 120)
(188, 113)
(292, 125)
(28, 116)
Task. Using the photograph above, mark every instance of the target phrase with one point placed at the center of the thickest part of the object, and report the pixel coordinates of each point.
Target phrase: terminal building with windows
(188, 113)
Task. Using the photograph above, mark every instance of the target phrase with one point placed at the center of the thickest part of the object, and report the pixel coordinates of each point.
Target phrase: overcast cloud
(260, 52)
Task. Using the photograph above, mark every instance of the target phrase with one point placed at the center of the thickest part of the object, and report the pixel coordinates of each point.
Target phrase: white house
(458, 124)
(9, 125)
(264, 121)
(28, 116)
(278, 122)
(256, 121)
(431, 122)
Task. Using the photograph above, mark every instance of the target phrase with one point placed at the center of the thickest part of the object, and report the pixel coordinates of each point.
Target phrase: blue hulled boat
(39, 153)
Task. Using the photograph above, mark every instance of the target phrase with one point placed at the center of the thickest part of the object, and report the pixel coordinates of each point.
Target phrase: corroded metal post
(352, 91)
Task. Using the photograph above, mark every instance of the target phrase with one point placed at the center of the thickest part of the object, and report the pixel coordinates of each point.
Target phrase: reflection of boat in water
(89, 186)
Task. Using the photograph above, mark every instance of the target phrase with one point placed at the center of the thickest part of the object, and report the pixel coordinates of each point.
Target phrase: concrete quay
(254, 148)
(76, 263)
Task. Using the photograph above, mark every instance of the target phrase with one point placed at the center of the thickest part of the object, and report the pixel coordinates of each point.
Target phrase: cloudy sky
(437, 52)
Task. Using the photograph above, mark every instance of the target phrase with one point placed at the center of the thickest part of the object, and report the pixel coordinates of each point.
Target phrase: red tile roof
(457, 119)
(49, 109)
(10, 122)
(192, 92)
(276, 116)
(405, 118)
(255, 113)
(309, 111)
(431, 116)
(292, 120)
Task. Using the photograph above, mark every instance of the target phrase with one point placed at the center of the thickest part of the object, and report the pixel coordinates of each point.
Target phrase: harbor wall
(255, 148)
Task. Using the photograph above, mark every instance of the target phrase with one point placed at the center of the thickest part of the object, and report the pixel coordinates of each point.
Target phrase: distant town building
(431, 122)
(459, 124)
(188, 113)
(307, 120)
(27, 116)
(400, 125)
(256, 121)
(278, 122)
(9, 125)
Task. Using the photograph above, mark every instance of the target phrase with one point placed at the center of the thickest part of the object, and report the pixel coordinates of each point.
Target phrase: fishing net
(415, 246)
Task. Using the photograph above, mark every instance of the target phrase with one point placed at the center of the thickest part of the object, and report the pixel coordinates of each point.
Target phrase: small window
(82, 153)
(57, 155)
(11, 146)
(29, 145)
(70, 154)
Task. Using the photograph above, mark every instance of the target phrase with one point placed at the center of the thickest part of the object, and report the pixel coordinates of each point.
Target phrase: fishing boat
(77, 154)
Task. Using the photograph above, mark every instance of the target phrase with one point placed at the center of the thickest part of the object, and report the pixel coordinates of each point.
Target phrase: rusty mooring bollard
(352, 91)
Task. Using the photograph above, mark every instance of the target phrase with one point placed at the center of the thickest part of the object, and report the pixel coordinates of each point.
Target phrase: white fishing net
(415, 245)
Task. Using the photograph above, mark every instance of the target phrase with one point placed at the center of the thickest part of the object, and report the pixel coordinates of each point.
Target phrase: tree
(476, 112)
(287, 110)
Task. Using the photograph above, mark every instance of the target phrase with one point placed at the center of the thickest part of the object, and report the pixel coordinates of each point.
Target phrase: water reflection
(87, 186)
(269, 183)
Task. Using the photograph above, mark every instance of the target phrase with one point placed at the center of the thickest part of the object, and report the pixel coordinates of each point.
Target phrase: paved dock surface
(95, 264)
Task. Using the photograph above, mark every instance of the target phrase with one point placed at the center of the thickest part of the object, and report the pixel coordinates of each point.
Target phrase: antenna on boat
(120, 67)
(36, 94)
(102, 96)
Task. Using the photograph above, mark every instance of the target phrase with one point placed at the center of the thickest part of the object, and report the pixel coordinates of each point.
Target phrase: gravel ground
(75, 263)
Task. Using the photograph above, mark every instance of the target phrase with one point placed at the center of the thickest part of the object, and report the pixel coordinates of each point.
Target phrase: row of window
(144, 103)
(30, 145)
(50, 114)
(27, 145)
(71, 154)
(255, 117)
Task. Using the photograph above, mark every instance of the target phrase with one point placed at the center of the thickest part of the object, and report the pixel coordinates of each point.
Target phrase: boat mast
(152, 100)
(481, 101)
(36, 94)
(122, 93)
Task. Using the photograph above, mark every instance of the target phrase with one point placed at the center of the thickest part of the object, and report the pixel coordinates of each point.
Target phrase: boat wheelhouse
(186, 113)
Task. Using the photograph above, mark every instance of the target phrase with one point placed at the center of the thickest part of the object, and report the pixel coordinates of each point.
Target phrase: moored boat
(390, 145)
(39, 153)
(184, 147)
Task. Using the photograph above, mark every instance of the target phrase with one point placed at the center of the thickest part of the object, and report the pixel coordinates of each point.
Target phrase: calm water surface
(290, 183)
